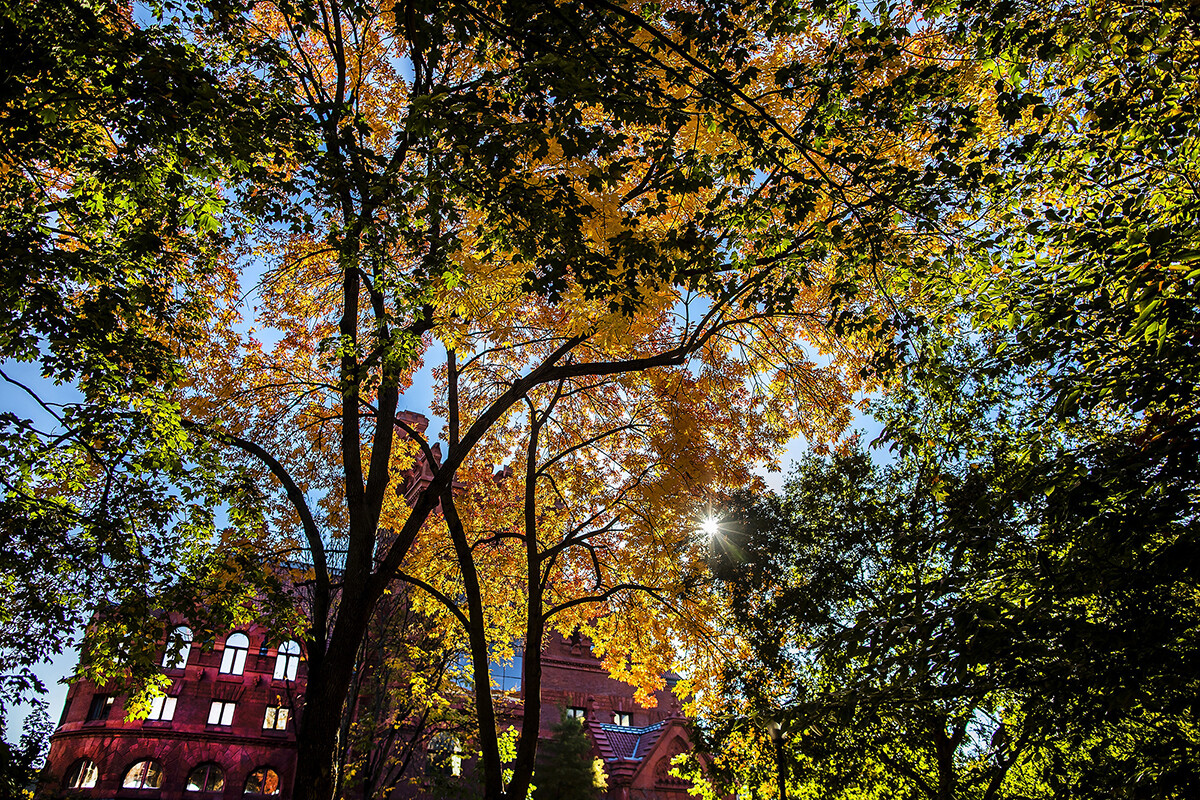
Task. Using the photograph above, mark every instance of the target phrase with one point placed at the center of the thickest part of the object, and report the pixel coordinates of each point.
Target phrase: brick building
(226, 728)
(636, 744)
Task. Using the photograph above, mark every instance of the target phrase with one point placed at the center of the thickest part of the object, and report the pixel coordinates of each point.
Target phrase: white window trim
(233, 658)
(177, 657)
(162, 708)
(223, 711)
(287, 661)
(276, 718)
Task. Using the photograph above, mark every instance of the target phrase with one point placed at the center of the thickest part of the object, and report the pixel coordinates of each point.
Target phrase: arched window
(144, 775)
(206, 778)
(288, 661)
(179, 646)
(233, 660)
(83, 774)
(263, 781)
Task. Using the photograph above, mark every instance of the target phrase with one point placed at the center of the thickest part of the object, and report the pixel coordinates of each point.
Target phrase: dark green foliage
(567, 764)
(1005, 610)
(20, 763)
(114, 142)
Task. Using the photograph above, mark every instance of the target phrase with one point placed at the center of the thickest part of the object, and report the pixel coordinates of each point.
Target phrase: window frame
(287, 661)
(177, 657)
(272, 716)
(74, 779)
(208, 767)
(228, 707)
(444, 755)
(162, 708)
(147, 764)
(233, 654)
(100, 708)
(577, 712)
(508, 676)
(622, 719)
(265, 770)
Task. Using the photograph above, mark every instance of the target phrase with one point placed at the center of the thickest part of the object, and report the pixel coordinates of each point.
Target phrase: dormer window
(622, 718)
(233, 660)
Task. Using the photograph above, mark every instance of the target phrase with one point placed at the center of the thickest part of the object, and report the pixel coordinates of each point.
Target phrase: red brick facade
(637, 756)
(188, 740)
(240, 742)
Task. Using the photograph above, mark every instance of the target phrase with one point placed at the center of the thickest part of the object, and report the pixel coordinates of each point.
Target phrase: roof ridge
(608, 726)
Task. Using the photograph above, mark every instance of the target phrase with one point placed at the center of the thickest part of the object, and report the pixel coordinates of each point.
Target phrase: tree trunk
(944, 747)
(330, 677)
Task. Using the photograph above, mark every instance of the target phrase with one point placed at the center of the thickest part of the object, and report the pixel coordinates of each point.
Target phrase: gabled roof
(623, 743)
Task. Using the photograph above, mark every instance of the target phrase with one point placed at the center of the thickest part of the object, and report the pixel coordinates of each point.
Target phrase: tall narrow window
(179, 646)
(101, 707)
(444, 755)
(233, 660)
(221, 712)
(276, 718)
(288, 661)
(162, 709)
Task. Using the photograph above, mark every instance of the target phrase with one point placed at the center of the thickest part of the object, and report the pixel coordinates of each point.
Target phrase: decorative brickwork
(237, 731)
(187, 739)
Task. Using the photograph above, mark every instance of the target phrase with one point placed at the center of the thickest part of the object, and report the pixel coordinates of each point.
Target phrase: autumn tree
(622, 233)
(619, 230)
